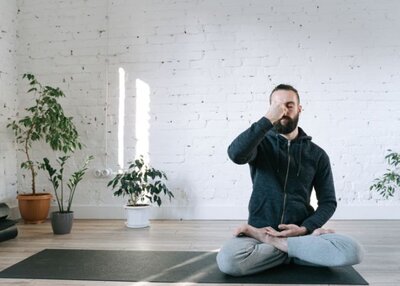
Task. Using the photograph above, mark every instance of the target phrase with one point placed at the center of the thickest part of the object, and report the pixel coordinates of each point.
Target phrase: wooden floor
(381, 239)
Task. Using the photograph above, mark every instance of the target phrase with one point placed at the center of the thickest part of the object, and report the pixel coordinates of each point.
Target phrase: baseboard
(230, 213)
(360, 212)
(176, 213)
(367, 212)
(14, 213)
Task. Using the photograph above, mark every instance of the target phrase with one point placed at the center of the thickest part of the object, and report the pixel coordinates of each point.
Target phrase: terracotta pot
(34, 208)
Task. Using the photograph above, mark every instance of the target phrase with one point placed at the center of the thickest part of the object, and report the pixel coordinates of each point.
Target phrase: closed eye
(290, 105)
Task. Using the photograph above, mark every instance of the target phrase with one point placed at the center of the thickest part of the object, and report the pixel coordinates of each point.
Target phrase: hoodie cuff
(265, 124)
(309, 228)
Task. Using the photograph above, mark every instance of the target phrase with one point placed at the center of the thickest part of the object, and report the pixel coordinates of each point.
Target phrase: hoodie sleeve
(244, 148)
(325, 191)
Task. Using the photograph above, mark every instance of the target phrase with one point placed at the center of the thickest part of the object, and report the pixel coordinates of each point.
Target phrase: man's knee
(351, 252)
(244, 256)
(227, 264)
(355, 252)
(231, 255)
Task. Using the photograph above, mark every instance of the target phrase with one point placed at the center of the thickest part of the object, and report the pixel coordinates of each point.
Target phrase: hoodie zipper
(286, 179)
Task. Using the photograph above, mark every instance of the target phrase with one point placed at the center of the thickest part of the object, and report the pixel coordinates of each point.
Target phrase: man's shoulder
(315, 148)
(318, 151)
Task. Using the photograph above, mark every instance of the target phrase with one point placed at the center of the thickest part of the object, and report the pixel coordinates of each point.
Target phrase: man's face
(290, 119)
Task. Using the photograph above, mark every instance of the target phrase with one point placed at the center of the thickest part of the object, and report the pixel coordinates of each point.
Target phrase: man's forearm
(244, 147)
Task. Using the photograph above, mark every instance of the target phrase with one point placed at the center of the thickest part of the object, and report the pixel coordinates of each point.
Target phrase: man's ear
(300, 108)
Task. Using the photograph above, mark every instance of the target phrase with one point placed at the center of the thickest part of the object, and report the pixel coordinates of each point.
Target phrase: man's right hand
(276, 111)
(286, 230)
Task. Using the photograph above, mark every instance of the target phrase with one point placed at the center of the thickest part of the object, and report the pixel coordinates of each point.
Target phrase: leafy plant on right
(389, 182)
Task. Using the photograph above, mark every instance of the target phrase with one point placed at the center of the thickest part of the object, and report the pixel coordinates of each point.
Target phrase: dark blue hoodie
(284, 174)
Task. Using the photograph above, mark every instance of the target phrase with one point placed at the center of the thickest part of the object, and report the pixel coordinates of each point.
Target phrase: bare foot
(320, 231)
(261, 235)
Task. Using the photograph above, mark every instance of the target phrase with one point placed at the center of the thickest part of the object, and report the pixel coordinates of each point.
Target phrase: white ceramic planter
(137, 217)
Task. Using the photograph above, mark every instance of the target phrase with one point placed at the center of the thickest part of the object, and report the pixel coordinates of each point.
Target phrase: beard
(289, 125)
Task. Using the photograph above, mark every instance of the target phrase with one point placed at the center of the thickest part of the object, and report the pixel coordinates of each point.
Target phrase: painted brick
(210, 67)
(8, 101)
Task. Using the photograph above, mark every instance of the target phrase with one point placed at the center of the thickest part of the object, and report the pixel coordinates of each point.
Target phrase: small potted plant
(142, 185)
(390, 181)
(44, 121)
(61, 220)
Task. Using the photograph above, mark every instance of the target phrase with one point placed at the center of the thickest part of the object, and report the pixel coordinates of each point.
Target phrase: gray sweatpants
(244, 255)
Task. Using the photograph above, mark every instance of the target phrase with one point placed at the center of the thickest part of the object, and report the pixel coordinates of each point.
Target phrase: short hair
(284, 87)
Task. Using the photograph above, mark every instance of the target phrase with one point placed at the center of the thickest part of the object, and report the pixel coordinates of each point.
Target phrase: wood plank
(380, 238)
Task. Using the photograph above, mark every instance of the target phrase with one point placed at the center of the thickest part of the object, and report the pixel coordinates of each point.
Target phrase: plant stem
(62, 193)
(132, 199)
(71, 196)
(31, 167)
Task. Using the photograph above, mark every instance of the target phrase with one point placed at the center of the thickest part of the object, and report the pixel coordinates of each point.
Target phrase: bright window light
(121, 118)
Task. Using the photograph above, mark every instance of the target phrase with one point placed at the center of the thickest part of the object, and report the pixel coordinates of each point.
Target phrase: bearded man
(285, 167)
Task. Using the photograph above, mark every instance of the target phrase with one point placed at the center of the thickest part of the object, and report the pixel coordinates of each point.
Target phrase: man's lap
(246, 253)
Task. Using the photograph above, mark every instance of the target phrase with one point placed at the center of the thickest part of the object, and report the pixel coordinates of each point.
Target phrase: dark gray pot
(62, 222)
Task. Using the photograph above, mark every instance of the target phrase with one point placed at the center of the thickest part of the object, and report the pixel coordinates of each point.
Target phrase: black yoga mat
(8, 230)
(4, 211)
(163, 266)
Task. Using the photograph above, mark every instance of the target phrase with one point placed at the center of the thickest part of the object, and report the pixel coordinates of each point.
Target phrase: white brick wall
(210, 66)
(8, 100)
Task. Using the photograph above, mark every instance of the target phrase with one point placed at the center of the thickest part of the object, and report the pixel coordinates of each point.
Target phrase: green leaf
(140, 181)
(389, 182)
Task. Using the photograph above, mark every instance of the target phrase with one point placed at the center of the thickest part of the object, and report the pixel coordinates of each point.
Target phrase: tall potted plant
(143, 185)
(61, 220)
(44, 121)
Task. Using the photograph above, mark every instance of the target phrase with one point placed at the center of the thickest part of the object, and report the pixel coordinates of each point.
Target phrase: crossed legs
(257, 251)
